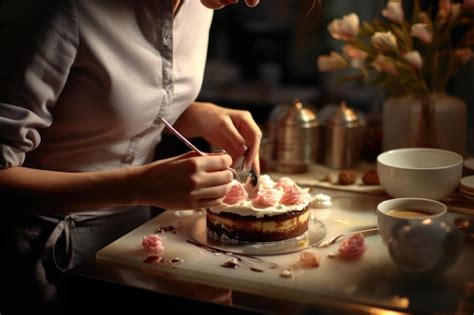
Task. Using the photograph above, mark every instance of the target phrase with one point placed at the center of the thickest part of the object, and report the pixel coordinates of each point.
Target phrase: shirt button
(129, 158)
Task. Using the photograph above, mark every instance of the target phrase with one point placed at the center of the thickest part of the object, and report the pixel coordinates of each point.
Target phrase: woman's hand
(232, 130)
(184, 182)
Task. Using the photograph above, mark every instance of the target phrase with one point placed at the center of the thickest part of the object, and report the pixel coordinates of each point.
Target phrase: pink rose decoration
(291, 196)
(266, 198)
(153, 243)
(352, 247)
(236, 193)
(285, 183)
(309, 259)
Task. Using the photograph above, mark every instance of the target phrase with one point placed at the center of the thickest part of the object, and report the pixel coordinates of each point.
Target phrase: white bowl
(419, 172)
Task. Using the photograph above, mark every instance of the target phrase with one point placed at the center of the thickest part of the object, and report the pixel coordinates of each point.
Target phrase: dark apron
(37, 250)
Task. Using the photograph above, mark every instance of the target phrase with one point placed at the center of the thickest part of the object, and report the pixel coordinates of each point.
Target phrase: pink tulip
(353, 52)
(345, 28)
(394, 12)
(468, 39)
(464, 55)
(448, 11)
(420, 31)
(384, 42)
(414, 59)
(331, 62)
(356, 55)
(385, 64)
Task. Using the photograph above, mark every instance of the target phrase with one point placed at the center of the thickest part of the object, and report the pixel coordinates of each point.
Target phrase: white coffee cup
(417, 234)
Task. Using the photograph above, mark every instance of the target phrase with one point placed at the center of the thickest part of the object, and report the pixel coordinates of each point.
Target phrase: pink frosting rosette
(309, 259)
(285, 183)
(292, 195)
(352, 247)
(153, 243)
(266, 197)
(236, 193)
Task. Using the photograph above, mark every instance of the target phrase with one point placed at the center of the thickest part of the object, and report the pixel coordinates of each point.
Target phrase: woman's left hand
(232, 130)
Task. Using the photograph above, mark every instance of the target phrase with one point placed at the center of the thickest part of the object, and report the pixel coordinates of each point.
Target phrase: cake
(272, 211)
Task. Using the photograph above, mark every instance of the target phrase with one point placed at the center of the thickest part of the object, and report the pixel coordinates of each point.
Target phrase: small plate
(469, 165)
(314, 178)
(467, 184)
(316, 232)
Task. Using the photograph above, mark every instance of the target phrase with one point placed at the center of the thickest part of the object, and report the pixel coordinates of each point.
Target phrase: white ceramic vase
(444, 126)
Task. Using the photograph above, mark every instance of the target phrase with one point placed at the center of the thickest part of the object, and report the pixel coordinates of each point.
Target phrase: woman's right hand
(187, 181)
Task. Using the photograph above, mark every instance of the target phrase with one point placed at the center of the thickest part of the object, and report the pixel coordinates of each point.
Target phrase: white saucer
(467, 184)
(469, 165)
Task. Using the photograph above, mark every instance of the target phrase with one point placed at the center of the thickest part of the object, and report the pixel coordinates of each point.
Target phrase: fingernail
(220, 151)
(247, 167)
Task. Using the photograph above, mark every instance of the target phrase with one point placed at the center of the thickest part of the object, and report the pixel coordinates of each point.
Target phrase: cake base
(316, 233)
(233, 228)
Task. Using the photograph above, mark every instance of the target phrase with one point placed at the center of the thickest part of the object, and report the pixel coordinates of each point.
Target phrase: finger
(209, 203)
(214, 192)
(223, 177)
(229, 149)
(218, 152)
(252, 3)
(253, 136)
(256, 164)
(187, 155)
(233, 136)
(213, 163)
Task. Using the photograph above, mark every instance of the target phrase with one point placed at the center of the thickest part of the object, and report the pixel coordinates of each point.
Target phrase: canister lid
(295, 115)
(341, 115)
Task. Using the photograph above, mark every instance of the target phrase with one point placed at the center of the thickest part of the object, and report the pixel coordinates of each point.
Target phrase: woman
(83, 84)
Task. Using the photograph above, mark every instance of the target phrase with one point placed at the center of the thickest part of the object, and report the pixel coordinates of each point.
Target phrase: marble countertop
(373, 281)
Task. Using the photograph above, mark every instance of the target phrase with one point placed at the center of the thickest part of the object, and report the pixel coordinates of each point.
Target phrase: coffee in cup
(408, 213)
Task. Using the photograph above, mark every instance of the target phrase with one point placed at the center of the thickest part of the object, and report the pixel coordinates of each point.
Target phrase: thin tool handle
(180, 136)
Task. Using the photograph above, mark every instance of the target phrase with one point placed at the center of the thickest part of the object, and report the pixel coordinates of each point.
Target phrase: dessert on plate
(276, 211)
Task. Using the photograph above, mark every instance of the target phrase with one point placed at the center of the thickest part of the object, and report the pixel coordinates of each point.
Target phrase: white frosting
(321, 201)
(246, 207)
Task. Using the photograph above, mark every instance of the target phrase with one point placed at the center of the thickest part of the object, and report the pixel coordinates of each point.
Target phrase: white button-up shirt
(82, 82)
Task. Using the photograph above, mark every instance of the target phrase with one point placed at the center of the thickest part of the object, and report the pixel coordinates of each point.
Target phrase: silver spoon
(251, 176)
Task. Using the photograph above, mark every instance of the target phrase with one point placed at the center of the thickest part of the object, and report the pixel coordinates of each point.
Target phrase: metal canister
(343, 131)
(294, 132)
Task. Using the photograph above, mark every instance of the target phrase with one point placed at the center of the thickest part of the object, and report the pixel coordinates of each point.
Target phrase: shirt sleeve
(39, 42)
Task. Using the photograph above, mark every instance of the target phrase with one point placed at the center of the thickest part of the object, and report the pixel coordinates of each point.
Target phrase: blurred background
(262, 57)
